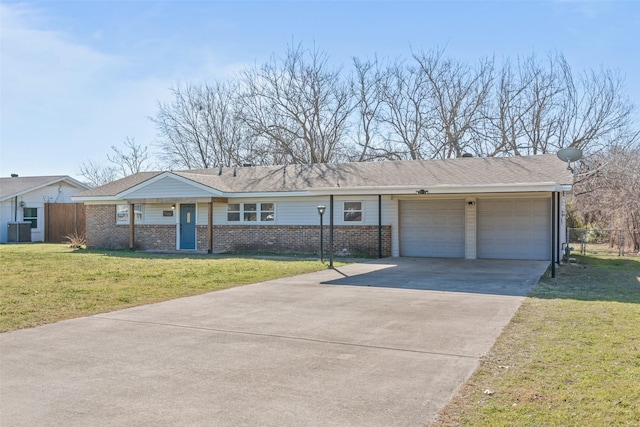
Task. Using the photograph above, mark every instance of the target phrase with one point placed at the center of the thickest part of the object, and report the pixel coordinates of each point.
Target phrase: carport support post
(558, 249)
(331, 231)
(379, 226)
(210, 226)
(553, 235)
(132, 227)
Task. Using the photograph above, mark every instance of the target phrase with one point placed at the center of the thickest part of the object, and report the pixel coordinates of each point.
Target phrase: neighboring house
(23, 199)
(505, 207)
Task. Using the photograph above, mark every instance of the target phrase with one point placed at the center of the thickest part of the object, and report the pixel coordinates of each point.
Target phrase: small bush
(76, 240)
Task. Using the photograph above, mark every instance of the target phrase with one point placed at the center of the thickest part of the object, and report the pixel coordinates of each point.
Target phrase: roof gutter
(446, 189)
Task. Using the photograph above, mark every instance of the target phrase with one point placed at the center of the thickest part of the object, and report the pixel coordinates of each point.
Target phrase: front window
(30, 215)
(233, 212)
(250, 212)
(122, 214)
(352, 211)
(267, 211)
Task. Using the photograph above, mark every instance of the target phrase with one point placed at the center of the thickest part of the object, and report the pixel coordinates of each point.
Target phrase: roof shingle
(461, 171)
(14, 186)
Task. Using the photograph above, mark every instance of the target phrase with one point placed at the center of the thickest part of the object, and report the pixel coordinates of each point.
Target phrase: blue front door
(187, 226)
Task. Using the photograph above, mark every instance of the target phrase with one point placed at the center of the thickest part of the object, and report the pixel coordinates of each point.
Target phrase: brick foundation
(347, 240)
(102, 232)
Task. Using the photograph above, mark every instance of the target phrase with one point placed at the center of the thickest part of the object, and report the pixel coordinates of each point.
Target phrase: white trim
(157, 178)
(266, 194)
(39, 216)
(440, 196)
(445, 189)
(229, 195)
(353, 191)
(67, 179)
(96, 200)
(362, 212)
(258, 212)
(470, 228)
(137, 208)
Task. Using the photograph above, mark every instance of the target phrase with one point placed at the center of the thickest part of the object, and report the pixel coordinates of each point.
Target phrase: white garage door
(514, 229)
(432, 228)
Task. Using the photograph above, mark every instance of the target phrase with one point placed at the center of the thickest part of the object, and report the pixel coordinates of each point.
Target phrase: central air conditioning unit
(19, 232)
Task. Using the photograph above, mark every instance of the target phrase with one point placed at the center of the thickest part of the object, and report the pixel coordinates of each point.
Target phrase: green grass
(44, 283)
(569, 357)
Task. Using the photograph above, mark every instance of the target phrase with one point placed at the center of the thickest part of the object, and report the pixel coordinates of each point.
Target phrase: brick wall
(347, 240)
(102, 232)
(155, 237)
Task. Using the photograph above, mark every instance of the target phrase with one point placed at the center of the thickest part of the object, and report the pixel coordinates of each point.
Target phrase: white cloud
(40, 65)
(64, 100)
(67, 101)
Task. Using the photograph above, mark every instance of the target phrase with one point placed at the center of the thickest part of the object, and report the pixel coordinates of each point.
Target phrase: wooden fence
(63, 219)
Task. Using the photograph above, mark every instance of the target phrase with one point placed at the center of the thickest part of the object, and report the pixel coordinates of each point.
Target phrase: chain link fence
(594, 241)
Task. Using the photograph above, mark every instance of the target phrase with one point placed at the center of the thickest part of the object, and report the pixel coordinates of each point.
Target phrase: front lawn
(569, 357)
(44, 283)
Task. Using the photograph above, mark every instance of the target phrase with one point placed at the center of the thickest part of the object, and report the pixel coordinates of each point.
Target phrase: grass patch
(44, 283)
(570, 356)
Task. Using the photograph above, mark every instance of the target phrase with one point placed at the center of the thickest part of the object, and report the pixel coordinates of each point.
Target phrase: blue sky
(77, 77)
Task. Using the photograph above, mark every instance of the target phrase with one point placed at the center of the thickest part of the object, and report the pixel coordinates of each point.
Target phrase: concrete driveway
(384, 343)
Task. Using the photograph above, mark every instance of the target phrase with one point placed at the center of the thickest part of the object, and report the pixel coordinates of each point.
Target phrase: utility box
(18, 232)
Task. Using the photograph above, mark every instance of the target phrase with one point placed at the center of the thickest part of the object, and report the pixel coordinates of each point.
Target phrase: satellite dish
(568, 155)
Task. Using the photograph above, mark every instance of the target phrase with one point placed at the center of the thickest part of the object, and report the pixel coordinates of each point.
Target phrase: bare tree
(607, 188)
(201, 128)
(132, 159)
(539, 107)
(406, 112)
(97, 174)
(595, 108)
(299, 109)
(367, 87)
(501, 131)
(298, 106)
(458, 99)
(434, 109)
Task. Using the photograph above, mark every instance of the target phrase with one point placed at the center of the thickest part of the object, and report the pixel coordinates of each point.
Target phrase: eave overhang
(446, 189)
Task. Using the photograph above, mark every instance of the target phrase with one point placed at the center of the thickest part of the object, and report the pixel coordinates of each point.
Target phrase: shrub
(76, 240)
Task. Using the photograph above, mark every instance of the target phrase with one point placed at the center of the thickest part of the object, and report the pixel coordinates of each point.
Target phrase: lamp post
(321, 209)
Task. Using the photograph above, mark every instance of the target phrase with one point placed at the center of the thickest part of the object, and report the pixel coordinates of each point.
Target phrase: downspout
(15, 209)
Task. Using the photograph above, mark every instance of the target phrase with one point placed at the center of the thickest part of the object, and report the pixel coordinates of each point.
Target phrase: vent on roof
(14, 175)
(247, 165)
(467, 155)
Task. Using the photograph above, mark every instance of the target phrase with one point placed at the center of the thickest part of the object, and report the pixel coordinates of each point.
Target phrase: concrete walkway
(384, 343)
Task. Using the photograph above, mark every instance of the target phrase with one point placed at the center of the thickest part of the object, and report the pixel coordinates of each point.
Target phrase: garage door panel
(432, 228)
(514, 229)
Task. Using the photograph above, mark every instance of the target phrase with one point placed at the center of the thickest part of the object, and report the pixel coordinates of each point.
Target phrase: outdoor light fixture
(321, 210)
(173, 207)
(421, 192)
